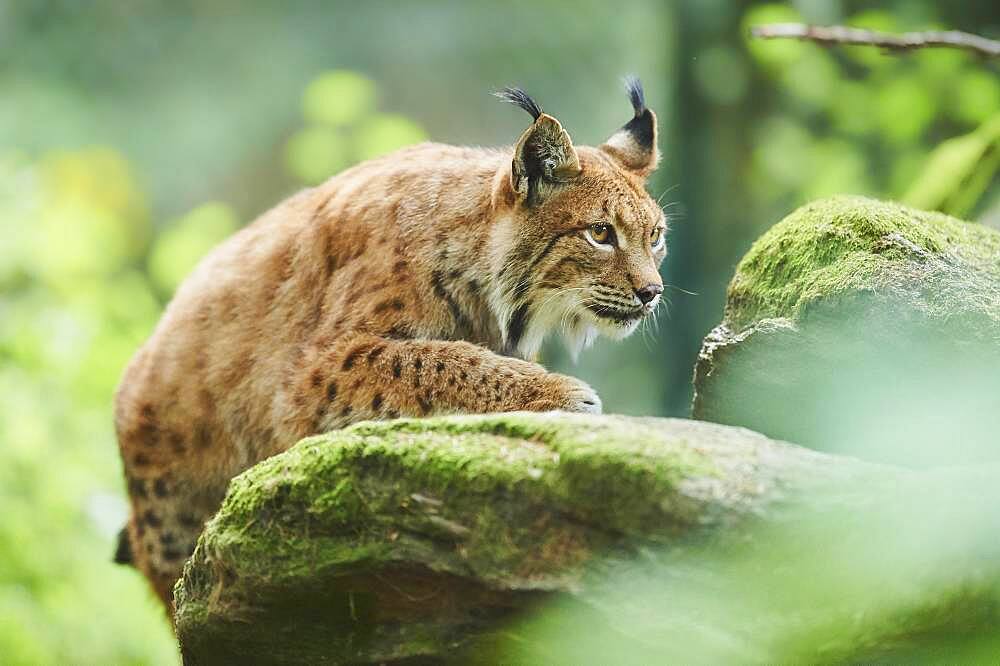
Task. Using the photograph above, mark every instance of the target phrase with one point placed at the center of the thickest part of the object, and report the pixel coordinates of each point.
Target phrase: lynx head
(577, 241)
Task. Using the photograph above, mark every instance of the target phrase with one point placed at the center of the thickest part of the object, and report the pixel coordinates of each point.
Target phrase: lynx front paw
(567, 394)
(581, 398)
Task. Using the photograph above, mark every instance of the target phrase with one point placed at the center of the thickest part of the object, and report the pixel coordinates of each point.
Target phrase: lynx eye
(656, 237)
(601, 234)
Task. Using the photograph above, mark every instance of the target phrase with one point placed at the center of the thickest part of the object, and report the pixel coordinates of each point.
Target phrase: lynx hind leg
(163, 531)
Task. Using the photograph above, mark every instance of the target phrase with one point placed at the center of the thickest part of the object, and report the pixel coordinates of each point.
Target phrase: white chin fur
(560, 314)
(577, 338)
(558, 317)
(554, 315)
(616, 330)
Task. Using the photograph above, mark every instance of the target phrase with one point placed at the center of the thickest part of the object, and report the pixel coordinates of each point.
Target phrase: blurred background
(136, 135)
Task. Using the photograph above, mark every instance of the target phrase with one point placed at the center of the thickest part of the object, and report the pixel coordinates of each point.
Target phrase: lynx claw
(583, 399)
(576, 396)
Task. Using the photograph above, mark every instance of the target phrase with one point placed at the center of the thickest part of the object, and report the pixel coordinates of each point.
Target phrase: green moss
(349, 483)
(430, 540)
(591, 462)
(849, 245)
(507, 503)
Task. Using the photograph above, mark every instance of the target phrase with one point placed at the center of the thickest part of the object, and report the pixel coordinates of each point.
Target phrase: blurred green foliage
(959, 171)
(907, 575)
(135, 136)
(344, 128)
(854, 119)
(84, 277)
(184, 241)
(75, 304)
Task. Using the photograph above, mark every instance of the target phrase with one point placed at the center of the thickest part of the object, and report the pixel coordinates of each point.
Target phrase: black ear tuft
(521, 98)
(634, 145)
(633, 86)
(642, 124)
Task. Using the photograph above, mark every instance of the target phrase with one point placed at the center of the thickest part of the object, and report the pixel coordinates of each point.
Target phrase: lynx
(418, 283)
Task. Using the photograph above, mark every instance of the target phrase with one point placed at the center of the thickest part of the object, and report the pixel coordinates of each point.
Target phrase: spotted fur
(419, 283)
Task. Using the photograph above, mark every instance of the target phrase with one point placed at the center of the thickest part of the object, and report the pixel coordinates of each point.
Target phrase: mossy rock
(846, 304)
(567, 539)
(421, 538)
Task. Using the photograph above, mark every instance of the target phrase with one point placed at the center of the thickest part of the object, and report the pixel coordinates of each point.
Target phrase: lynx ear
(634, 145)
(544, 156)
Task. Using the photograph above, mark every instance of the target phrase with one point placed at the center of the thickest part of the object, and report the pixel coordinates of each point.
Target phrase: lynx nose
(649, 292)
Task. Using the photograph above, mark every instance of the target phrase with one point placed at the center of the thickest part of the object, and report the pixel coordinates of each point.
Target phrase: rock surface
(419, 538)
(849, 302)
(639, 540)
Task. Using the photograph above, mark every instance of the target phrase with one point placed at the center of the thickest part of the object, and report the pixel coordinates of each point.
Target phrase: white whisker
(680, 289)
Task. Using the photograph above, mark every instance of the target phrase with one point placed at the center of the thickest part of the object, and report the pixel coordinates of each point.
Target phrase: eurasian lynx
(418, 283)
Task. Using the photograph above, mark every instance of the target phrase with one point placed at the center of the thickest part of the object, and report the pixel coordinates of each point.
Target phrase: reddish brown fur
(397, 288)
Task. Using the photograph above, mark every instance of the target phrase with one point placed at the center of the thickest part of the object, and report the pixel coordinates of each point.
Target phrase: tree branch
(906, 41)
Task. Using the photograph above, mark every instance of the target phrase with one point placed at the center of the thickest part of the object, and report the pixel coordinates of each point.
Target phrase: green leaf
(958, 172)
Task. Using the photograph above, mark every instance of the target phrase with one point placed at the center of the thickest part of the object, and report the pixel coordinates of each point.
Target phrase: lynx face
(586, 238)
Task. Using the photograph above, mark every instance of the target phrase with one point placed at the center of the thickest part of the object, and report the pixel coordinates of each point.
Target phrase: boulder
(850, 323)
(422, 541)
